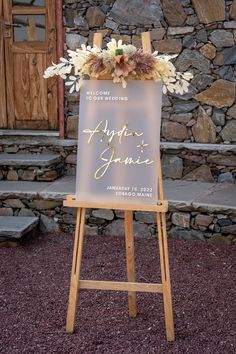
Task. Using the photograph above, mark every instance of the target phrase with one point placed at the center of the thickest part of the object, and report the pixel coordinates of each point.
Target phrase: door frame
(3, 102)
(60, 54)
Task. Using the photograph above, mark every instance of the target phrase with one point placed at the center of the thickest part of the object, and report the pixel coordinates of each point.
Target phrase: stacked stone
(32, 173)
(202, 33)
(212, 227)
(217, 228)
(42, 146)
(200, 165)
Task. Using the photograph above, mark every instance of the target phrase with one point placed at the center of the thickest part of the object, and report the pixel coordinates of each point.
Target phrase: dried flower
(121, 62)
(144, 63)
(95, 64)
(123, 66)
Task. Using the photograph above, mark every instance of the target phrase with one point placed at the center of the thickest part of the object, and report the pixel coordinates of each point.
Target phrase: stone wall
(203, 165)
(191, 225)
(203, 33)
(187, 225)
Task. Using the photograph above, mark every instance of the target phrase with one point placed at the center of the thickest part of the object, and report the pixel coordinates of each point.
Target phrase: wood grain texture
(121, 286)
(27, 10)
(21, 84)
(165, 276)
(233, 9)
(28, 47)
(32, 124)
(38, 87)
(75, 273)
(71, 201)
(97, 40)
(209, 11)
(130, 266)
(9, 68)
(146, 42)
(3, 108)
(30, 89)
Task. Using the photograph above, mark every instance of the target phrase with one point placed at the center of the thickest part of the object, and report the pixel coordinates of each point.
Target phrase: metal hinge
(7, 34)
(8, 28)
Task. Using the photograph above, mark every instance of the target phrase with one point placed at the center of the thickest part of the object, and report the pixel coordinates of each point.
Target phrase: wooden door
(29, 46)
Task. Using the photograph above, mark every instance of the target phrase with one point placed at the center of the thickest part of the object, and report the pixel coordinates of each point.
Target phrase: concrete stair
(30, 133)
(21, 160)
(182, 195)
(12, 228)
(40, 167)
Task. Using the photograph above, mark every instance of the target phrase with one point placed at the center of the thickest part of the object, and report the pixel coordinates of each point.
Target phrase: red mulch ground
(34, 285)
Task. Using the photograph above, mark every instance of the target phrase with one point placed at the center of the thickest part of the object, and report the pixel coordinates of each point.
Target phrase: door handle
(8, 24)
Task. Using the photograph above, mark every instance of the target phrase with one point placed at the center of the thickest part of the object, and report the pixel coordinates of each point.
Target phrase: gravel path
(34, 285)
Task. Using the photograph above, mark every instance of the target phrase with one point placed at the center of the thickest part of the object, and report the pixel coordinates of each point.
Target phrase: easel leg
(165, 275)
(75, 273)
(129, 242)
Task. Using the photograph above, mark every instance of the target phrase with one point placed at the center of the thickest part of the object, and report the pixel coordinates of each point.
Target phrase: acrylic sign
(118, 142)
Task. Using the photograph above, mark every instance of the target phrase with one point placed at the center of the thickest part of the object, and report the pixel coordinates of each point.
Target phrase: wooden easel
(131, 286)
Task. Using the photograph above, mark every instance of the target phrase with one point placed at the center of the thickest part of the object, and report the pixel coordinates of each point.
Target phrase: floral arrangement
(120, 62)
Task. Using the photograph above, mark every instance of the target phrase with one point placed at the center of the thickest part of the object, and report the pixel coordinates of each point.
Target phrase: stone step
(14, 227)
(29, 167)
(196, 209)
(21, 160)
(180, 160)
(24, 133)
(182, 195)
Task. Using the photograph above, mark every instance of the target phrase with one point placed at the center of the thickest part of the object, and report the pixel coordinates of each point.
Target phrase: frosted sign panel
(118, 142)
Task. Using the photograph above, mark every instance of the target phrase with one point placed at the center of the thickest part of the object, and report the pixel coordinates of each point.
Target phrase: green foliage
(119, 51)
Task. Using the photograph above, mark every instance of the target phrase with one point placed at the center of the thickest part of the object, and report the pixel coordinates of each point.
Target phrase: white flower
(78, 85)
(164, 89)
(187, 76)
(89, 49)
(60, 69)
(49, 72)
(165, 56)
(113, 45)
(170, 80)
(75, 83)
(181, 87)
(108, 56)
(170, 87)
(129, 48)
